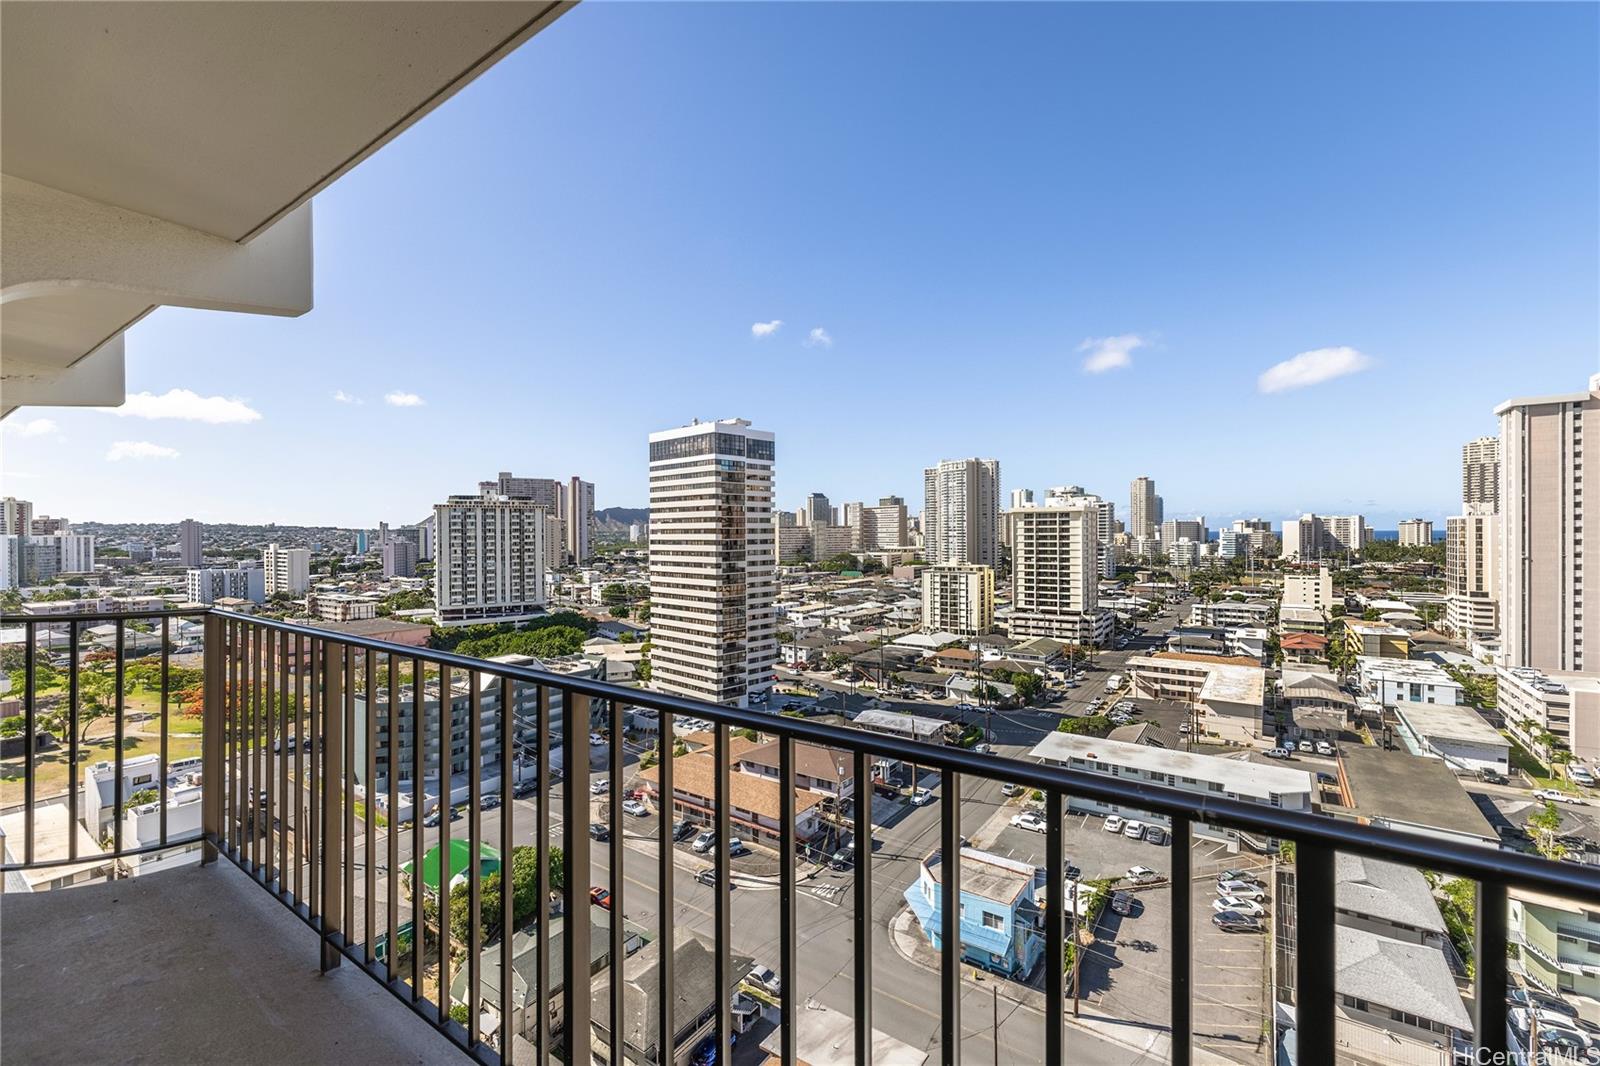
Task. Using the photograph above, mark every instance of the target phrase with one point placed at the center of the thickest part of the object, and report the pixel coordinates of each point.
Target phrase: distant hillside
(617, 519)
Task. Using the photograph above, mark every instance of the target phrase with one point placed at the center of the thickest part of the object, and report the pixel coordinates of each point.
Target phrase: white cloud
(33, 427)
(1313, 368)
(139, 449)
(819, 338)
(1110, 353)
(188, 407)
(766, 329)
(344, 397)
(403, 399)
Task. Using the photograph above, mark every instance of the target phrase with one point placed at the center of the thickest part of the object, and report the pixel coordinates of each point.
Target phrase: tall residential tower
(961, 511)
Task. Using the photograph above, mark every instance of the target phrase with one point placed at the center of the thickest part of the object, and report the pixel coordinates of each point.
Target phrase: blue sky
(974, 203)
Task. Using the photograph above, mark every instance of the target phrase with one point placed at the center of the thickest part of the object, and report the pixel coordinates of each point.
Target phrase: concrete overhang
(165, 153)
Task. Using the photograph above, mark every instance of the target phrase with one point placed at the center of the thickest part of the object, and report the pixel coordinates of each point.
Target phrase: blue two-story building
(1000, 927)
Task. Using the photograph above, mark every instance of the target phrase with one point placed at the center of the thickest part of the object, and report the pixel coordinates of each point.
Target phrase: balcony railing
(279, 742)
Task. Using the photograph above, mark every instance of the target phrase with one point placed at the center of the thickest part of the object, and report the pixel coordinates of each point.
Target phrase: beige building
(1227, 692)
(288, 570)
(1055, 577)
(1471, 577)
(1415, 533)
(880, 527)
(1144, 508)
(713, 555)
(1544, 599)
(958, 598)
(1311, 589)
(961, 511)
(1480, 476)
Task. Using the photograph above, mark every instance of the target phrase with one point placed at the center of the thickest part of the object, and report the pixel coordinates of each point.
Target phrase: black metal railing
(280, 741)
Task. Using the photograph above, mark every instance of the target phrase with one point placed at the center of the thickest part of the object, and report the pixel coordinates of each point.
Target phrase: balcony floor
(188, 966)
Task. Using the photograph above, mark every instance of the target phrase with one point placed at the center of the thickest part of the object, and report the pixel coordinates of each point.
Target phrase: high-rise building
(210, 584)
(288, 570)
(712, 561)
(961, 511)
(491, 557)
(1106, 521)
(958, 598)
(1415, 533)
(1311, 589)
(818, 510)
(16, 517)
(1543, 550)
(399, 558)
(544, 491)
(1021, 498)
(1176, 529)
(1472, 577)
(46, 526)
(1313, 536)
(191, 548)
(1055, 576)
(1480, 476)
(578, 514)
(876, 528)
(427, 537)
(1144, 510)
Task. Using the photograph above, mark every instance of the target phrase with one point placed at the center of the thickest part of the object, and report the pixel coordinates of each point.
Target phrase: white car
(763, 978)
(1114, 823)
(1580, 776)
(635, 808)
(921, 798)
(598, 788)
(1241, 890)
(1557, 796)
(596, 740)
(1239, 905)
(1010, 789)
(1133, 830)
(1141, 874)
(1029, 820)
(1278, 753)
(1307, 746)
(1324, 748)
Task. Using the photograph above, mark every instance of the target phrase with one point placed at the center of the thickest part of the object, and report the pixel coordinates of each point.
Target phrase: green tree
(1546, 826)
(141, 797)
(1029, 686)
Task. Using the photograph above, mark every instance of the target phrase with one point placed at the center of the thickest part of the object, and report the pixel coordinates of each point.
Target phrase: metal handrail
(248, 701)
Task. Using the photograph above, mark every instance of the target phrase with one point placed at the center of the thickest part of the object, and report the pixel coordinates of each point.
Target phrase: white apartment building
(881, 527)
(1227, 694)
(1395, 681)
(1055, 578)
(1105, 521)
(191, 547)
(1144, 508)
(288, 570)
(491, 557)
(961, 511)
(340, 607)
(712, 560)
(1415, 533)
(209, 584)
(1208, 775)
(1311, 589)
(1551, 710)
(958, 598)
(1184, 552)
(1472, 577)
(1480, 476)
(1225, 613)
(577, 511)
(1544, 599)
(1311, 536)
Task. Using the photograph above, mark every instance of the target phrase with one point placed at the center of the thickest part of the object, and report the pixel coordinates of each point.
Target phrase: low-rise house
(1396, 790)
(1311, 620)
(1000, 928)
(1392, 682)
(1302, 649)
(1228, 692)
(1404, 990)
(900, 724)
(754, 800)
(1456, 734)
(1376, 639)
(694, 1013)
(829, 771)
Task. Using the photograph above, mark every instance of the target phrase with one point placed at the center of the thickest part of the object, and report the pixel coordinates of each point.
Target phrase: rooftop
(1388, 890)
(696, 775)
(1398, 788)
(1448, 721)
(987, 876)
(1408, 977)
(1246, 779)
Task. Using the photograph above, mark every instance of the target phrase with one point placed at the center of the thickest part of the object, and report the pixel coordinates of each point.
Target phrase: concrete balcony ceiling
(166, 153)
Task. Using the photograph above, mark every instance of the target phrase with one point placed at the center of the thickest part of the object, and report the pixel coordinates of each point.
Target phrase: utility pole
(995, 989)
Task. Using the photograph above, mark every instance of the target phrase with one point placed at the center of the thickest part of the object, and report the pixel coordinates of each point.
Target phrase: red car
(600, 898)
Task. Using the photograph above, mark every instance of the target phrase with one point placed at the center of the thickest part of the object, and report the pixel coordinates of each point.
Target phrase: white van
(1113, 682)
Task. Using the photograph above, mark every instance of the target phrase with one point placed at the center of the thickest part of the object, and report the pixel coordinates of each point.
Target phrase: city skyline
(1404, 310)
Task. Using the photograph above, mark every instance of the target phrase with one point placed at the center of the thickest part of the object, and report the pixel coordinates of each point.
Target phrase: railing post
(1489, 939)
(211, 771)
(1315, 964)
(332, 803)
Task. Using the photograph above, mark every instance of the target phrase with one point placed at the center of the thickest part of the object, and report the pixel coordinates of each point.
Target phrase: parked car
(765, 979)
(1494, 778)
(1114, 823)
(736, 847)
(921, 797)
(1009, 789)
(1029, 820)
(527, 788)
(1239, 904)
(432, 821)
(1239, 875)
(1185, 728)
(1234, 922)
(1142, 875)
(1133, 830)
(703, 842)
(598, 831)
(708, 876)
(1242, 889)
(1307, 746)
(597, 739)
(1278, 753)
(489, 802)
(683, 830)
(635, 808)
(1324, 748)
(1580, 776)
(1122, 903)
(599, 786)
(1154, 834)
(599, 897)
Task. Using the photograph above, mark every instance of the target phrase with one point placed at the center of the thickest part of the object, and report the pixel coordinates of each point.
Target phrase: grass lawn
(1522, 759)
(50, 768)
